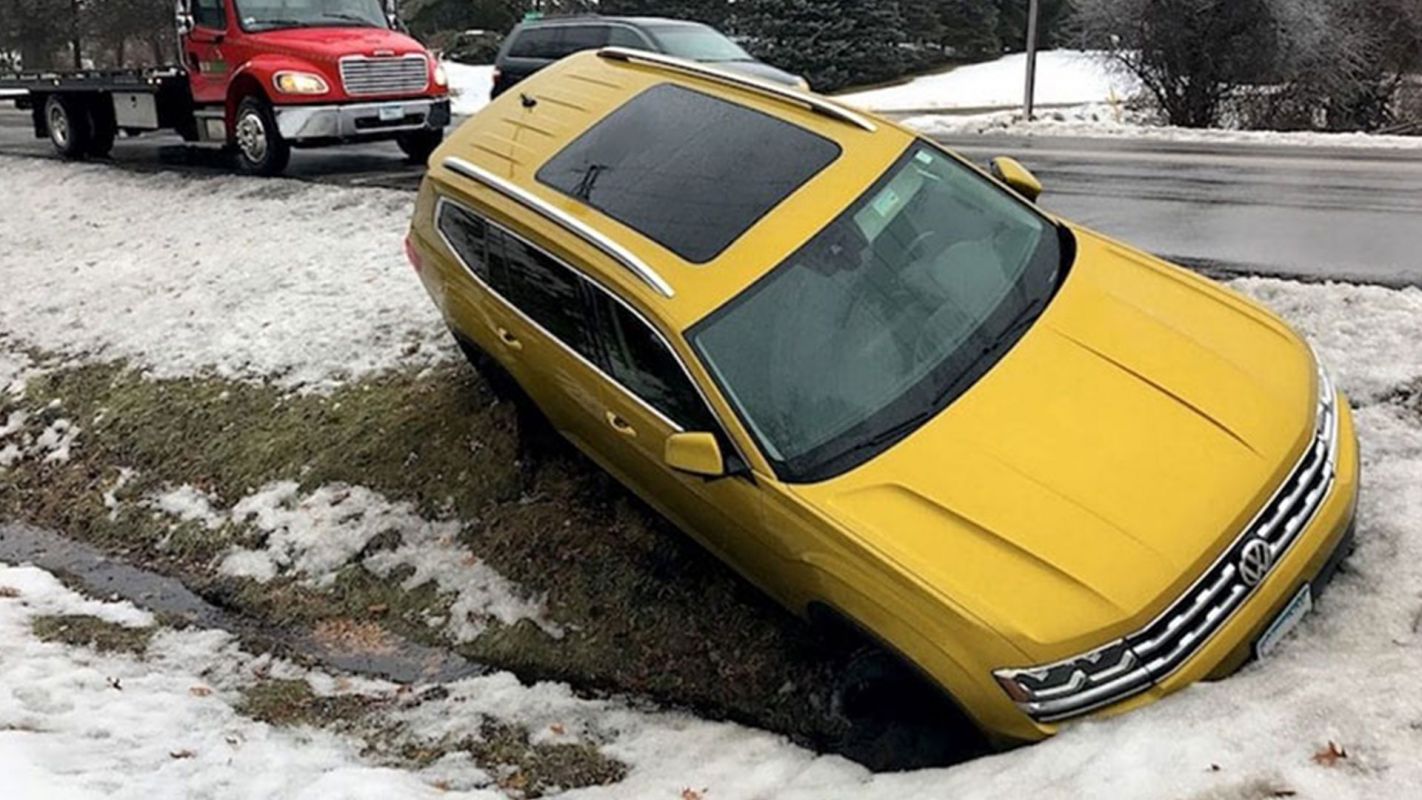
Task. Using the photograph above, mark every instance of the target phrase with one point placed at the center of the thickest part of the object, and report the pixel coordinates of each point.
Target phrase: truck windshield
(884, 318)
(265, 15)
(697, 43)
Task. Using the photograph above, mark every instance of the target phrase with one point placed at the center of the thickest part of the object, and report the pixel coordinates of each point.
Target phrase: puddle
(398, 660)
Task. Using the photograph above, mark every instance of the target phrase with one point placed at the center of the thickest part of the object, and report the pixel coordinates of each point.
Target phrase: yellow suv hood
(1098, 468)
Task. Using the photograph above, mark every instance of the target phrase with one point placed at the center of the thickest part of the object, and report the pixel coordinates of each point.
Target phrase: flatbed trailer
(258, 87)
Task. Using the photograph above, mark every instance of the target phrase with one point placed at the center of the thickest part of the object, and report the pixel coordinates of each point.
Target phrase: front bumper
(360, 120)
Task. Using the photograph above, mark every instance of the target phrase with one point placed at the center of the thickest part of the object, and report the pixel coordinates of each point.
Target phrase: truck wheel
(103, 128)
(260, 148)
(419, 144)
(67, 121)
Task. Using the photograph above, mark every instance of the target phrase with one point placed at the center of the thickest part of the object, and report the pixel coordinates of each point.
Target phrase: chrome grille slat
(384, 75)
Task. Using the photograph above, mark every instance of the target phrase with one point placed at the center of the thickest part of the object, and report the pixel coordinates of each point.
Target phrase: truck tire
(103, 128)
(418, 145)
(260, 148)
(67, 121)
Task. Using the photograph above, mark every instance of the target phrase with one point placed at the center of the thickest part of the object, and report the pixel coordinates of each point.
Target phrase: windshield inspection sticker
(886, 203)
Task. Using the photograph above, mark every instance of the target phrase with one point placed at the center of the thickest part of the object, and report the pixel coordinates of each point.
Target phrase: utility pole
(1028, 99)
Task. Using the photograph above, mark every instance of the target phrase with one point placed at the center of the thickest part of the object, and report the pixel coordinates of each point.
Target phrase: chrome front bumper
(356, 120)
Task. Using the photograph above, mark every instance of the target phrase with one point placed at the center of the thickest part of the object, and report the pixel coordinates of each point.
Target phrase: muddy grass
(646, 611)
(89, 631)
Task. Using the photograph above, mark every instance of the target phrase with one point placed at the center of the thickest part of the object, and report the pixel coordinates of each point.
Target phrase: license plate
(391, 113)
(1296, 610)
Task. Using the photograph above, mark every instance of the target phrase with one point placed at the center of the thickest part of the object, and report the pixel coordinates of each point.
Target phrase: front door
(208, 67)
(649, 398)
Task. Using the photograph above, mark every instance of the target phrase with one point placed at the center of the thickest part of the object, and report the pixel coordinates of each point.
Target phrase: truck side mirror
(1012, 173)
(392, 14)
(183, 17)
(695, 453)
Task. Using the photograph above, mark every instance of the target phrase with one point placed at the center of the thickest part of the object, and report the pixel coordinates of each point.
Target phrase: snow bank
(1063, 76)
(1107, 120)
(469, 86)
(314, 535)
(253, 279)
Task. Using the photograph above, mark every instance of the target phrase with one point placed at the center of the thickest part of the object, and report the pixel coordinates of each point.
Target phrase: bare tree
(1189, 54)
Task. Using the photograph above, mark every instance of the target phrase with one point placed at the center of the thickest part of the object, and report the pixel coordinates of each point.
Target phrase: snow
(300, 283)
(1063, 76)
(1108, 120)
(53, 444)
(314, 535)
(469, 86)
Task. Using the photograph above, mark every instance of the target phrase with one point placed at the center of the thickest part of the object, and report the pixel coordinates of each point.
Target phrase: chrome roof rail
(564, 220)
(774, 91)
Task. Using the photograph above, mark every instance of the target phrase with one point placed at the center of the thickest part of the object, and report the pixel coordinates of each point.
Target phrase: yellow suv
(1057, 475)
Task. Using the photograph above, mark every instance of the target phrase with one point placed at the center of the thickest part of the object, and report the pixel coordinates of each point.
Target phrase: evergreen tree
(970, 27)
(833, 43)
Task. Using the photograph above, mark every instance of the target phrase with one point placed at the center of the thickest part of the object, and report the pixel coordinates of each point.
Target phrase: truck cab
(259, 77)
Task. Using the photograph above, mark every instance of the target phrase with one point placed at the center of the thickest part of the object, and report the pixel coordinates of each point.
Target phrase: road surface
(1307, 212)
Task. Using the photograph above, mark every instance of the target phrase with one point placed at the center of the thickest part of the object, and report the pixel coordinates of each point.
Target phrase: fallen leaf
(515, 780)
(558, 728)
(377, 608)
(692, 794)
(9, 591)
(199, 691)
(1282, 793)
(1329, 755)
(1214, 768)
(115, 684)
(443, 786)
(182, 754)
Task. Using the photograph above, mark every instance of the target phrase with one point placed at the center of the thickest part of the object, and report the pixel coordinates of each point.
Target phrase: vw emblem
(1255, 561)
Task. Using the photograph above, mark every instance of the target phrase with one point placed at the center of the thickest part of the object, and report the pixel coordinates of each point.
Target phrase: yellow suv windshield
(884, 317)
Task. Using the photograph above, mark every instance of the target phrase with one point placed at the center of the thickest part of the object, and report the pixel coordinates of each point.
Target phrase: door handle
(510, 341)
(621, 425)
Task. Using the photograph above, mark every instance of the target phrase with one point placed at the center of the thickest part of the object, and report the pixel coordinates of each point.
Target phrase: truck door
(208, 67)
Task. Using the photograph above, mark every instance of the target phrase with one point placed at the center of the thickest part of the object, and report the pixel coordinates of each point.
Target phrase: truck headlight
(300, 83)
(440, 78)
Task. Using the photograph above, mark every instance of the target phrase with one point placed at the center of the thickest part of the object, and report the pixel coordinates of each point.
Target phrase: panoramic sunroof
(689, 171)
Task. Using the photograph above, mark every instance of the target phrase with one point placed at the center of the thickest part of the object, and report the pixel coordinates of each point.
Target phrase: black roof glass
(690, 171)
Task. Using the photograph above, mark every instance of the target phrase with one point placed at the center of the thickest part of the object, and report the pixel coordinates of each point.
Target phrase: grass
(647, 611)
(89, 631)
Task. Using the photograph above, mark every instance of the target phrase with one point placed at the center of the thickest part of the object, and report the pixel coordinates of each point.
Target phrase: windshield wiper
(266, 24)
(346, 15)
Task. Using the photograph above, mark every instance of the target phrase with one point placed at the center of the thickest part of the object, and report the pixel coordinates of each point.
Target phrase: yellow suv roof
(529, 125)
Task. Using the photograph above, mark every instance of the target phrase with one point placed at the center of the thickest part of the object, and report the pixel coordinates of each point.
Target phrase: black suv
(536, 43)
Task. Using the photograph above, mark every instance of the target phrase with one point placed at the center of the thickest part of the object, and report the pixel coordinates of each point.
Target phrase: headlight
(1076, 685)
(300, 83)
(441, 79)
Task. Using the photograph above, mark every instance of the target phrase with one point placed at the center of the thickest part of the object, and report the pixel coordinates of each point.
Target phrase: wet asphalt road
(1307, 212)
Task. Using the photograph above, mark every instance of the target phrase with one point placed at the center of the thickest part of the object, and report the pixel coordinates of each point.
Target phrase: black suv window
(690, 171)
(549, 293)
(210, 14)
(640, 361)
(536, 43)
(618, 36)
(577, 38)
(467, 236)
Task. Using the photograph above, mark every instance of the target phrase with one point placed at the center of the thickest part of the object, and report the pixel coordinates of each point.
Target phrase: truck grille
(388, 76)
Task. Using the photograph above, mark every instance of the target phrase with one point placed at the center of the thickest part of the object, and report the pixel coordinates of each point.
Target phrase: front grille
(1131, 665)
(385, 76)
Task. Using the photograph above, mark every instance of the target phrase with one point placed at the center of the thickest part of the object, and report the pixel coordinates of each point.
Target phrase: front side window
(210, 14)
(640, 361)
(263, 15)
(698, 43)
(884, 317)
(687, 170)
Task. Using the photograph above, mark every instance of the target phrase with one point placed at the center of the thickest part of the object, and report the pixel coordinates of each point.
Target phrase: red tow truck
(258, 77)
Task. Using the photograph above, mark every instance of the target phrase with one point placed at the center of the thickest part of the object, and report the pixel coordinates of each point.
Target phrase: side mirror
(695, 453)
(1012, 173)
(184, 17)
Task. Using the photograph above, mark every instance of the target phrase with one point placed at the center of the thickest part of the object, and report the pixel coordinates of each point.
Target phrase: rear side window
(618, 36)
(689, 171)
(641, 362)
(583, 37)
(549, 293)
(467, 235)
(536, 43)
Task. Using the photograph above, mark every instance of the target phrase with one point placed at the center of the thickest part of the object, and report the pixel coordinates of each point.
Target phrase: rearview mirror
(695, 453)
(1012, 173)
